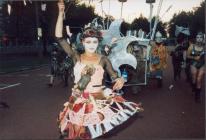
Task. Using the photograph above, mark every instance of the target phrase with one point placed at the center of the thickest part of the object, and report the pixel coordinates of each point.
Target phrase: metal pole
(108, 18)
(102, 15)
(37, 18)
(150, 17)
(121, 9)
(156, 19)
(37, 40)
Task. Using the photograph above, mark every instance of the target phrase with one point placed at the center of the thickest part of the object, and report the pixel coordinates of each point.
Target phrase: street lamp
(150, 2)
(122, 1)
(156, 19)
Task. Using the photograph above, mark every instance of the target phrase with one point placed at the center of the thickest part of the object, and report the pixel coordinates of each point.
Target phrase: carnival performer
(92, 109)
(158, 59)
(177, 59)
(196, 53)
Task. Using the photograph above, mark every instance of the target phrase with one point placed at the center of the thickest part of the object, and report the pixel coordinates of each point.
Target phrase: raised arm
(59, 32)
(59, 24)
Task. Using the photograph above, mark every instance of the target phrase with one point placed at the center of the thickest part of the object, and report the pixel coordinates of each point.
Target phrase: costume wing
(112, 32)
(120, 56)
(180, 29)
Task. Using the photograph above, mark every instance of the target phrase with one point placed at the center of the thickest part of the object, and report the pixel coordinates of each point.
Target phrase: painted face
(90, 44)
(199, 38)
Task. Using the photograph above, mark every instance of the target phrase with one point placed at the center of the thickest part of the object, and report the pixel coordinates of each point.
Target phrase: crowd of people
(191, 57)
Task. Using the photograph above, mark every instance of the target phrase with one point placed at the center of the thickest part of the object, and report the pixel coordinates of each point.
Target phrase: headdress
(158, 37)
(91, 31)
(200, 34)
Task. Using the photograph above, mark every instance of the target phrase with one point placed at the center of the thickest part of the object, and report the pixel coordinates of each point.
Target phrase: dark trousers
(188, 72)
(177, 70)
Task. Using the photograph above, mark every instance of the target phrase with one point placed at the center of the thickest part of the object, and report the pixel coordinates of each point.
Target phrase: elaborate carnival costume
(97, 109)
(158, 58)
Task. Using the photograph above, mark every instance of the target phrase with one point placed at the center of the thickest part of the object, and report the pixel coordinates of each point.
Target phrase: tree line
(23, 21)
(194, 20)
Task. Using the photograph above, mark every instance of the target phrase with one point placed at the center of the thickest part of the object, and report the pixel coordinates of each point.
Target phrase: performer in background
(196, 53)
(183, 33)
(92, 109)
(158, 59)
(177, 59)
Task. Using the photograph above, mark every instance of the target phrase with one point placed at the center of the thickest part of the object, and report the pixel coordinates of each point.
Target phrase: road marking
(24, 69)
(6, 76)
(44, 75)
(2, 85)
(9, 86)
(24, 75)
(43, 66)
(48, 75)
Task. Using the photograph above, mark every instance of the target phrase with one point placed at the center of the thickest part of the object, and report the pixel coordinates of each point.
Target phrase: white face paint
(90, 44)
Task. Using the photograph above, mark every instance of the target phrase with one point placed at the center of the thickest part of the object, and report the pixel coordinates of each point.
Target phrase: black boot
(193, 87)
(175, 78)
(159, 84)
(4, 105)
(197, 95)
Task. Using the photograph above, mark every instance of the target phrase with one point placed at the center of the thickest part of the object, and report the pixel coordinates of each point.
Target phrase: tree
(20, 25)
(194, 20)
(23, 21)
(199, 18)
(124, 28)
(143, 23)
(161, 27)
(79, 15)
(140, 23)
(183, 19)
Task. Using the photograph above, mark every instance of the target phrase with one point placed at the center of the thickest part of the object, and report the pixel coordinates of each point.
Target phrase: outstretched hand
(119, 82)
(75, 91)
(197, 58)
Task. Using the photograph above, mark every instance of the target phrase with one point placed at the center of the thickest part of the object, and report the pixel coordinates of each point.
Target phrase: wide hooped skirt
(92, 115)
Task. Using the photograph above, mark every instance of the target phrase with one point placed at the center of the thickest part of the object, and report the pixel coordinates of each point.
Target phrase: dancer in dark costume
(196, 53)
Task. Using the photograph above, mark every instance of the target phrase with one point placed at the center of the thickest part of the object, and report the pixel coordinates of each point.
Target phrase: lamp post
(150, 2)
(108, 18)
(122, 1)
(156, 19)
(102, 14)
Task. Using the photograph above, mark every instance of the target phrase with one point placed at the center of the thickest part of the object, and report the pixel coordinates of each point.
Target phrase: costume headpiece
(200, 37)
(200, 34)
(158, 37)
(91, 31)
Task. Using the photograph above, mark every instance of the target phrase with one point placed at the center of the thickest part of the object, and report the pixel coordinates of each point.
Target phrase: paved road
(34, 108)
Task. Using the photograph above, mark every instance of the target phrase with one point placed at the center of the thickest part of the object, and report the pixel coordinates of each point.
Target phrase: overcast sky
(133, 8)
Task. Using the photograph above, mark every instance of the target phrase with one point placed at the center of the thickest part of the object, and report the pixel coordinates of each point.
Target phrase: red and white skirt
(93, 114)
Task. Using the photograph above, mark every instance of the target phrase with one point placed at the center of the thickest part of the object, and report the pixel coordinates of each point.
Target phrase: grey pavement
(168, 114)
